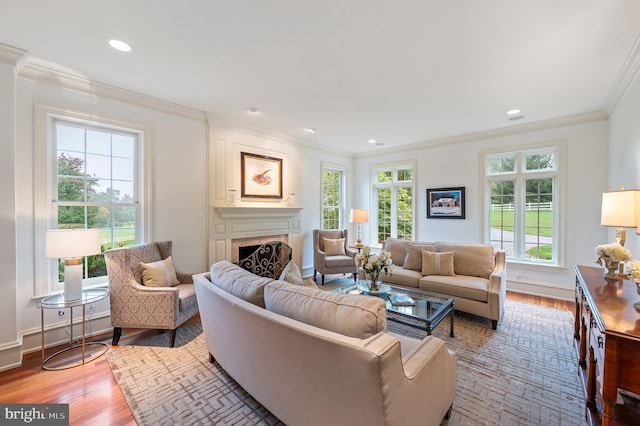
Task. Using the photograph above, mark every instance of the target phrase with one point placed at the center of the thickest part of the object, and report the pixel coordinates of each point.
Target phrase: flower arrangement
(612, 252)
(634, 270)
(373, 264)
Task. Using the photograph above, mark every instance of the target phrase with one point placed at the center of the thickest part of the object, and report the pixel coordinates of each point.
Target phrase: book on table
(401, 299)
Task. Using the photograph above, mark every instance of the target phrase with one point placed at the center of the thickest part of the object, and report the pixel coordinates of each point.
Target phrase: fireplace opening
(243, 247)
(246, 251)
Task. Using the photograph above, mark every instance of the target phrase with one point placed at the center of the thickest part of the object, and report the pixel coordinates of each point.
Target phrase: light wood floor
(91, 391)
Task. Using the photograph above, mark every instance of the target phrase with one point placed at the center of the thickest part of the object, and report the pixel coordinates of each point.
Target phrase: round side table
(76, 354)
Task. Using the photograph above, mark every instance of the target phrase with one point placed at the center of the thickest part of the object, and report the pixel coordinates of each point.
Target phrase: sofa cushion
(413, 260)
(402, 276)
(476, 260)
(467, 287)
(239, 282)
(351, 315)
(440, 263)
(160, 273)
(334, 247)
(398, 250)
(331, 261)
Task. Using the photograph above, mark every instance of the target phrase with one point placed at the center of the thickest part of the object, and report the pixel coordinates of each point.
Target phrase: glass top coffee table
(426, 311)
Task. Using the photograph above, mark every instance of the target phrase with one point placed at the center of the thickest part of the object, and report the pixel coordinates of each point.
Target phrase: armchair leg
(355, 277)
(117, 332)
(494, 324)
(172, 340)
(322, 279)
(315, 272)
(211, 358)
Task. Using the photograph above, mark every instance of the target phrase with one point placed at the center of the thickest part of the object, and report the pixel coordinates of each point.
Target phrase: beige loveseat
(473, 275)
(314, 357)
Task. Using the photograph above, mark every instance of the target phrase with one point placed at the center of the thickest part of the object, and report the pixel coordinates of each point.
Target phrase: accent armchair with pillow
(146, 291)
(331, 254)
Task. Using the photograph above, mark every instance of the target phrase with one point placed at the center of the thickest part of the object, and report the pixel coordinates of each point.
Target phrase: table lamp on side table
(359, 216)
(72, 245)
(620, 209)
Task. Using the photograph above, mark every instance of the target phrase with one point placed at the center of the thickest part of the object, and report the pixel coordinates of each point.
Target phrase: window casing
(93, 178)
(333, 197)
(392, 202)
(524, 193)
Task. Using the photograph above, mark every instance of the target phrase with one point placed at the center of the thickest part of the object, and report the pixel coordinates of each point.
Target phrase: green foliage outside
(538, 223)
(404, 204)
(331, 199)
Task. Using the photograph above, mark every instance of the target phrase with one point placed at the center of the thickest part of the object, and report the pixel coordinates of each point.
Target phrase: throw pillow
(309, 282)
(159, 274)
(413, 260)
(334, 247)
(291, 274)
(434, 263)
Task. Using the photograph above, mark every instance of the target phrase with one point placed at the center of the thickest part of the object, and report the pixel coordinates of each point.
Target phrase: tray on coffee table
(426, 313)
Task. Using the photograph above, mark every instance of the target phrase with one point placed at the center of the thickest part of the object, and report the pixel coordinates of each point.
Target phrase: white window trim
(559, 219)
(373, 207)
(343, 196)
(44, 171)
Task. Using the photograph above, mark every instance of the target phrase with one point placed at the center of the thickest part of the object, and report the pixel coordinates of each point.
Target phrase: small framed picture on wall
(445, 203)
(261, 176)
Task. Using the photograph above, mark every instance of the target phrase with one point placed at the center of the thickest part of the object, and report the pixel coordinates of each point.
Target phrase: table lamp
(620, 209)
(72, 245)
(359, 216)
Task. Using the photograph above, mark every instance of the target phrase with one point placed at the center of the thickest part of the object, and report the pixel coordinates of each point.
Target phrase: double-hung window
(94, 182)
(393, 205)
(524, 200)
(333, 178)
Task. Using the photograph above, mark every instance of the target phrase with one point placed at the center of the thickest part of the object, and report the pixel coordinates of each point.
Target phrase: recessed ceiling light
(515, 117)
(513, 112)
(310, 130)
(254, 110)
(120, 45)
(372, 141)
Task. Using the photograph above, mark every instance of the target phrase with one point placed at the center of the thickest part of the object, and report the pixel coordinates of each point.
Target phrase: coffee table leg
(451, 330)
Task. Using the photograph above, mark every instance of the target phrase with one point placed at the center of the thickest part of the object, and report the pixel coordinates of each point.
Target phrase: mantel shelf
(238, 212)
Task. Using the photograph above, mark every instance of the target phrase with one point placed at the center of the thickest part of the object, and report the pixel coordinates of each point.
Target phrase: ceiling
(399, 72)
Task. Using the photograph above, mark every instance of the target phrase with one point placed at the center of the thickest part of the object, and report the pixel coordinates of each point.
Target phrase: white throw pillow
(159, 274)
(334, 247)
(291, 274)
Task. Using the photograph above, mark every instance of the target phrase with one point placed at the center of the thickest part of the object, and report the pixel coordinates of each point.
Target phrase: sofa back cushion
(397, 248)
(239, 282)
(351, 315)
(413, 260)
(475, 260)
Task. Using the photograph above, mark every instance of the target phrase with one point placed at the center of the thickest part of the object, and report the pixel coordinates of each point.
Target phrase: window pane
(539, 219)
(69, 138)
(123, 146)
(405, 213)
(384, 176)
(98, 142)
(502, 215)
(404, 175)
(540, 161)
(503, 164)
(331, 199)
(384, 214)
(71, 217)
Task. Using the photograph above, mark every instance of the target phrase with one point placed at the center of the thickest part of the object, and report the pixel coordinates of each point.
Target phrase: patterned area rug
(524, 373)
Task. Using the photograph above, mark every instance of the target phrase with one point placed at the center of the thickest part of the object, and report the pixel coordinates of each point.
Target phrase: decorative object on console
(620, 209)
(634, 274)
(373, 264)
(261, 176)
(359, 216)
(446, 203)
(610, 256)
(232, 197)
(72, 245)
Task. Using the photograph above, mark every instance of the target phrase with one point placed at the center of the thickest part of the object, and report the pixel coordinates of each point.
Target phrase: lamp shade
(359, 216)
(70, 243)
(620, 208)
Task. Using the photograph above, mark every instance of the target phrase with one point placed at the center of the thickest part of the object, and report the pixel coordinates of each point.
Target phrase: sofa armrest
(498, 278)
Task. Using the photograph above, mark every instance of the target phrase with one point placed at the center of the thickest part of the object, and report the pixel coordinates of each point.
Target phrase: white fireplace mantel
(236, 212)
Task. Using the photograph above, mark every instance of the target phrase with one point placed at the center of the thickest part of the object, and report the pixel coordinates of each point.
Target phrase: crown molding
(43, 72)
(494, 133)
(629, 72)
(11, 55)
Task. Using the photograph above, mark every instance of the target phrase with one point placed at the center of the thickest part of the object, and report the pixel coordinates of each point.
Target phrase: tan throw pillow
(309, 282)
(437, 263)
(334, 247)
(159, 274)
(291, 274)
(413, 260)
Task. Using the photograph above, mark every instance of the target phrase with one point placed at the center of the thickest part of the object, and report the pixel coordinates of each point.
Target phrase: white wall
(624, 153)
(177, 147)
(459, 164)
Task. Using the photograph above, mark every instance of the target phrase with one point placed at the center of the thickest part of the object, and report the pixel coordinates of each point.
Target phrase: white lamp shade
(70, 243)
(620, 208)
(359, 216)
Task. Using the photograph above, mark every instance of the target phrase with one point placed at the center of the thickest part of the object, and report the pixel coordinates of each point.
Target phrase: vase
(372, 282)
(611, 269)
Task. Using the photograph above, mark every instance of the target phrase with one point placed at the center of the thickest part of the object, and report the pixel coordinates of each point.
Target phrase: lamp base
(73, 279)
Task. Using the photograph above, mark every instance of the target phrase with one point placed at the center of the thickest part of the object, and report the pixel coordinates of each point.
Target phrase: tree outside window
(393, 195)
(332, 198)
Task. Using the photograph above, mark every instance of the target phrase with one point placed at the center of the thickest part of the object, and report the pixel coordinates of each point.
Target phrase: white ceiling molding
(11, 55)
(626, 77)
(42, 72)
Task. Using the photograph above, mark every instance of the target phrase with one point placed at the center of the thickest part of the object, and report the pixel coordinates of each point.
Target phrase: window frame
(393, 185)
(45, 174)
(520, 175)
(324, 166)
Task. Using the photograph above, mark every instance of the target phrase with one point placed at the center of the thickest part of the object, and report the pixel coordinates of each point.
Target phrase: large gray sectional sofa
(314, 357)
(477, 281)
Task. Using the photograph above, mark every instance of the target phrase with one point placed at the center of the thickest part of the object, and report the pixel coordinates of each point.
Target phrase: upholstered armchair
(268, 260)
(331, 253)
(134, 305)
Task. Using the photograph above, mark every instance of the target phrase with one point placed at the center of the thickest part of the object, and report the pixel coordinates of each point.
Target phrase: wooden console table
(607, 334)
